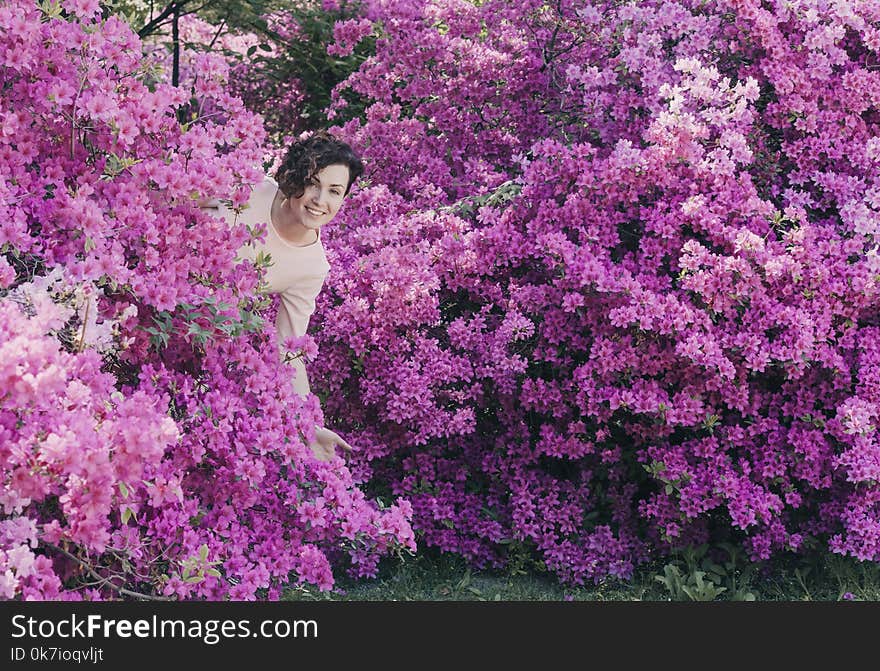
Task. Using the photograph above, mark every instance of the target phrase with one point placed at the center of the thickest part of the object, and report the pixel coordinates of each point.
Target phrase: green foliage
(498, 197)
(290, 76)
(431, 575)
(828, 577)
(51, 8)
(520, 557)
(200, 323)
(194, 569)
(656, 470)
(149, 18)
(305, 62)
(693, 576)
(694, 586)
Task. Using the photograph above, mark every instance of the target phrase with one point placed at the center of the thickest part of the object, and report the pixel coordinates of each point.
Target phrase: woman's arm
(293, 319)
(300, 377)
(326, 441)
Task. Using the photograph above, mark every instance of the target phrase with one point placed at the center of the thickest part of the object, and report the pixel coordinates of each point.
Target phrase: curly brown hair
(306, 158)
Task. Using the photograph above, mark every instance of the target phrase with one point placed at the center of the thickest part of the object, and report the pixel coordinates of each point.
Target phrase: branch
(217, 34)
(106, 581)
(175, 44)
(151, 27)
(198, 9)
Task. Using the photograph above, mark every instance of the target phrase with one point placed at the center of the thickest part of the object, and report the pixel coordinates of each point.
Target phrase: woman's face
(321, 198)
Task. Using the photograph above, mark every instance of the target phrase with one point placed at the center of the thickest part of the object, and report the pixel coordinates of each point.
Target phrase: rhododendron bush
(609, 287)
(151, 443)
(612, 287)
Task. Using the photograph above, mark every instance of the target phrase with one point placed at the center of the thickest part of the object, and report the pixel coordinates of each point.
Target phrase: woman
(305, 195)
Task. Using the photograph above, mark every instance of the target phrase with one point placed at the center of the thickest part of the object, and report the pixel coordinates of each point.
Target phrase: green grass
(431, 576)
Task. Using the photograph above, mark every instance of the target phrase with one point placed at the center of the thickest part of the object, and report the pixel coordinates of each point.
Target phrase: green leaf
(51, 8)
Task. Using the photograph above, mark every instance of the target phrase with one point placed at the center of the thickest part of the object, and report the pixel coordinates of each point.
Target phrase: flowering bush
(609, 287)
(150, 441)
(612, 284)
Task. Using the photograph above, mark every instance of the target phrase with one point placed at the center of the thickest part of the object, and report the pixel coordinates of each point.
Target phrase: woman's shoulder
(258, 205)
(263, 191)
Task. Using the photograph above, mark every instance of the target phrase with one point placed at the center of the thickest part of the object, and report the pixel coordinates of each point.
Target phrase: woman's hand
(325, 444)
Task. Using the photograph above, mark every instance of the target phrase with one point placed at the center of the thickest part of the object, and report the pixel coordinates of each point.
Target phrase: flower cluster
(150, 439)
(624, 295)
(609, 286)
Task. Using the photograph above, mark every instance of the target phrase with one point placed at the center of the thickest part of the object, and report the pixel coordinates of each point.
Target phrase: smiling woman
(299, 220)
(305, 195)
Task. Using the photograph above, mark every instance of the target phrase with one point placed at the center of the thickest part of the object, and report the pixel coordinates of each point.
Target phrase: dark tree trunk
(175, 46)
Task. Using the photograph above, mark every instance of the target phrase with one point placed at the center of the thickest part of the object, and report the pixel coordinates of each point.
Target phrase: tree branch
(175, 45)
(217, 34)
(106, 581)
(154, 24)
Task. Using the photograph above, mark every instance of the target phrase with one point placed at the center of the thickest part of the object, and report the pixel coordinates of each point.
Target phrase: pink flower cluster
(150, 439)
(611, 285)
(68, 440)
